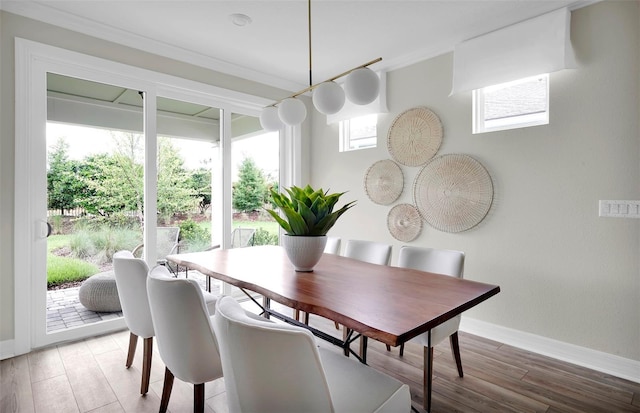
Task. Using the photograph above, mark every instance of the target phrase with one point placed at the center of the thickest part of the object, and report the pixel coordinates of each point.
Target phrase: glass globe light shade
(269, 119)
(362, 86)
(292, 111)
(328, 98)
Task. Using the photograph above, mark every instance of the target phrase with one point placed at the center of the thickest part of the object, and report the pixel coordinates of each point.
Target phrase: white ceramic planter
(304, 252)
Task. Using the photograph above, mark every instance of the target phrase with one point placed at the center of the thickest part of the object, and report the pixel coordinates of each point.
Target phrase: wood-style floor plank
(15, 386)
(90, 376)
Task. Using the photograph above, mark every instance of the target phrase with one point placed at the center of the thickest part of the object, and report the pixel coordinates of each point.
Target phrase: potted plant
(308, 216)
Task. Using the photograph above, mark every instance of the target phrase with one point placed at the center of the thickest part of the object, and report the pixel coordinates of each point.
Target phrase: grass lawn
(57, 241)
(65, 269)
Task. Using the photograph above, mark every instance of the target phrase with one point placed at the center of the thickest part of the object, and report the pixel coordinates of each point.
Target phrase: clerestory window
(358, 133)
(517, 104)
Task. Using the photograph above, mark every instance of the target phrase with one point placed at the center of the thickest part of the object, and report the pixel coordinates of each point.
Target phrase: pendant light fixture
(361, 87)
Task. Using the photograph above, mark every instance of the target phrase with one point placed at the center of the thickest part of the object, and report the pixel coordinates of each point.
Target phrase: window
(358, 133)
(511, 105)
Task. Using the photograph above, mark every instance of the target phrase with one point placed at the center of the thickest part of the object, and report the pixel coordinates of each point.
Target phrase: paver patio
(64, 309)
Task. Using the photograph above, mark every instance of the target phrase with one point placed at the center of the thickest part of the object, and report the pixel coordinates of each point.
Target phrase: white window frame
(514, 122)
(345, 132)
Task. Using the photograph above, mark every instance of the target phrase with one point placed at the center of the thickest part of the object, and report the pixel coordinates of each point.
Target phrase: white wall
(565, 273)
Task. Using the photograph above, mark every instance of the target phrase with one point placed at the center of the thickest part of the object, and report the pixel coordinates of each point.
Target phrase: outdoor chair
(186, 340)
(242, 237)
(276, 367)
(167, 243)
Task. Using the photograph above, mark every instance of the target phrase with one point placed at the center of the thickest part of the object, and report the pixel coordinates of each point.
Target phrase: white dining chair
(368, 251)
(332, 246)
(276, 367)
(184, 331)
(447, 262)
(131, 278)
(131, 282)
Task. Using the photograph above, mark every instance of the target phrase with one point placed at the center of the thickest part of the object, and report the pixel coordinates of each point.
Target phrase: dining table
(382, 302)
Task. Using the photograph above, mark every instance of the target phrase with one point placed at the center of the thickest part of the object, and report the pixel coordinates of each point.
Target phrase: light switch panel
(619, 209)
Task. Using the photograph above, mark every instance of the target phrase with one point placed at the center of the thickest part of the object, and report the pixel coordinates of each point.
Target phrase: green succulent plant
(307, 211)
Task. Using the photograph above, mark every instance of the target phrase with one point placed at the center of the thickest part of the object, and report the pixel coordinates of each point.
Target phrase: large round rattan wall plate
(384, 182)
(453, 192)
(415, 136)
(404, 222)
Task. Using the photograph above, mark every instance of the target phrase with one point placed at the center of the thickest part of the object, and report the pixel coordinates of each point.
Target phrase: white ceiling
(273, 49)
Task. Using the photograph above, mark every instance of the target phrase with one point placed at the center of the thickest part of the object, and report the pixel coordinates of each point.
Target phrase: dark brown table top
(389, 304)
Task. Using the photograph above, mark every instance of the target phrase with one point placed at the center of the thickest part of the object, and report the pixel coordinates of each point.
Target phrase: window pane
(359, 133)
(95, 153)
(511, 105)
(526, 97)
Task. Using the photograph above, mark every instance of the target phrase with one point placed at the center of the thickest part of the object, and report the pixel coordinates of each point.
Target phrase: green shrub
(194, 237)
(110, 240)
(81, 244)
(64, 269)
(100, 245)
(264, 237)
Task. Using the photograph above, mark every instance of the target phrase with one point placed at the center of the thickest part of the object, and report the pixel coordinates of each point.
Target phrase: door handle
(44, 229)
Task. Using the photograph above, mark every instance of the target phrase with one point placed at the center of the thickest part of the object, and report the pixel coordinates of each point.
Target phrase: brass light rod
(305, 90)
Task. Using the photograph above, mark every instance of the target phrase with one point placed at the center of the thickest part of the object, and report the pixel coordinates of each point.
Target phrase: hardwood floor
(89, 376)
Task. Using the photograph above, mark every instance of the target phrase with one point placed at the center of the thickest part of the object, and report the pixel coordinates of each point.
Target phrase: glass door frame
(33, 61)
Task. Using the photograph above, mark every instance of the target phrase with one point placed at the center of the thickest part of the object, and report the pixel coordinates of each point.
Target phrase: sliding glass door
(112, 157)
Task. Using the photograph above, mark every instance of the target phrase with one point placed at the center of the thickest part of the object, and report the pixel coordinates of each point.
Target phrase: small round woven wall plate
(453, 192)
(384, 182)
(404, 222)
(415, 136)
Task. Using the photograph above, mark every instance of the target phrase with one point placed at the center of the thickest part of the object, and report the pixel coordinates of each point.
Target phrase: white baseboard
(7, 349)
(596, 360)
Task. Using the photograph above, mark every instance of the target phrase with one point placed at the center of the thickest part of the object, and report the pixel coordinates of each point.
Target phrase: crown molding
(47, 14)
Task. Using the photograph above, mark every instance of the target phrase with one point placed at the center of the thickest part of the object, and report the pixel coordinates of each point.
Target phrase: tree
(63, 183)
(113, 184)
(175, 194)
(249, 191)
(201, 185)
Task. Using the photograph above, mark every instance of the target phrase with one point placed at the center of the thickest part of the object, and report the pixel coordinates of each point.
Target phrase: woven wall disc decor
(404, 222)
(384, 182)
(453, 192)
(415, 136)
